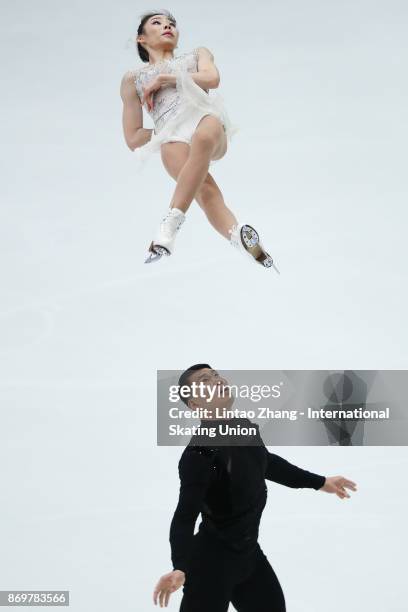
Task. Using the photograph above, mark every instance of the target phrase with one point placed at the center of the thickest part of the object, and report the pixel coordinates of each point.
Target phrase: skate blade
(268, 263)
(156, 253)
(251, 242)
(153, 257)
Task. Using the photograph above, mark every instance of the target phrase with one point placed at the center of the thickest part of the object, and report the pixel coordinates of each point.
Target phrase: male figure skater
(223, 563)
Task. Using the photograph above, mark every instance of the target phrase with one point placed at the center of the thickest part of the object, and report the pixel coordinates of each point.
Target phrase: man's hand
(150, 89)
(338, 485)
(167, 585)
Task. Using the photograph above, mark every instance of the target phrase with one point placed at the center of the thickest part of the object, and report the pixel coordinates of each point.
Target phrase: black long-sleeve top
(227, 485)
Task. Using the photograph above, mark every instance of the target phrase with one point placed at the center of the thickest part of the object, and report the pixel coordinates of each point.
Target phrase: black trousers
(218, 576)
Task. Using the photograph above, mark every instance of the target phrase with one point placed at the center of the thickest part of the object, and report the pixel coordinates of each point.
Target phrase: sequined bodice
(167, 98)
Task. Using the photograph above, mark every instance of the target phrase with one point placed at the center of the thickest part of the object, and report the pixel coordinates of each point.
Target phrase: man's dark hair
(143, 54)
(184, 379)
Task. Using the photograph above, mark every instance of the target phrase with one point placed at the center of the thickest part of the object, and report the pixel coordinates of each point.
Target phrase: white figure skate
(246, 239)
(164, 242)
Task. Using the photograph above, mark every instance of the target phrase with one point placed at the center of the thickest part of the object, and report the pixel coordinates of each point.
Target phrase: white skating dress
(177, 109)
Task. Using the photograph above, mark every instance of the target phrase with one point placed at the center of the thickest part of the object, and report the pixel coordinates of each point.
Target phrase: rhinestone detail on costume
(167, 98)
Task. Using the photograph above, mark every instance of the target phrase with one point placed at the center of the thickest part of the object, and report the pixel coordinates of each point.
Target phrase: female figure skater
(225, 482)
(191, 130)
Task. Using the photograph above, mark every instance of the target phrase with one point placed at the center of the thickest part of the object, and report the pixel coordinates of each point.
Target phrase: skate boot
(164, 242)
(246, 239)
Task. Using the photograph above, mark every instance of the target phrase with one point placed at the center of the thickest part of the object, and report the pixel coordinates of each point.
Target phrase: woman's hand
(338, 485)
(167, 585)
(150, 89)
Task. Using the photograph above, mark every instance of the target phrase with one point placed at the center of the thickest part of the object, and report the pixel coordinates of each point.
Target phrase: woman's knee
(203, 140)
(208, 133)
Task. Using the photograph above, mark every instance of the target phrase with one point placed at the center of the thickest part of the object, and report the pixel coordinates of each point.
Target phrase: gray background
(298, 391)
(319, 92)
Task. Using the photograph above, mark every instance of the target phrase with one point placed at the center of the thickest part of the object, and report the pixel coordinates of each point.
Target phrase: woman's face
(160, 32)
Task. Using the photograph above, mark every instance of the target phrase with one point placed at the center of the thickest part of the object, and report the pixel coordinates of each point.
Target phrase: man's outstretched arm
(281, 471)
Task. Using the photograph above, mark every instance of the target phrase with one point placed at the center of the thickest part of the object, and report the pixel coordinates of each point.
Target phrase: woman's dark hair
(143, 54)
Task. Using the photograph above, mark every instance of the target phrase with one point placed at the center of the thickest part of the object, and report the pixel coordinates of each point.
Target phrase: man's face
(210, 390)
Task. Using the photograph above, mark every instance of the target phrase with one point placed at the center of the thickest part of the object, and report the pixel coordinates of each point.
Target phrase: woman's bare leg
(176, 156)
(212, 202)
(209, 197)
(208, 142)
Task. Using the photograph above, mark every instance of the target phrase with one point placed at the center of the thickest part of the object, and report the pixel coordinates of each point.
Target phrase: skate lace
(170, 224)
(234, 239)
